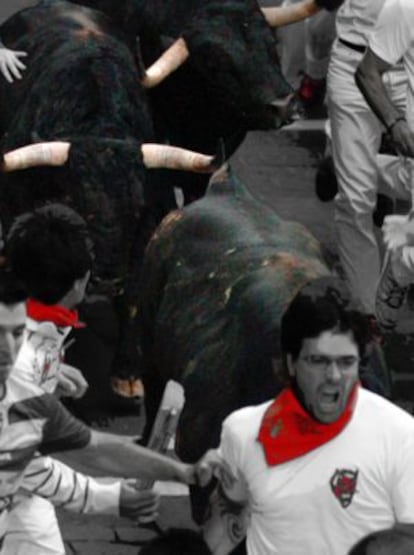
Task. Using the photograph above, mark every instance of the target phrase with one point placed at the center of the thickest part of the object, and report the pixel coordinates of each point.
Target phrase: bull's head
(103, 180)
(232, 50)
(229, 48)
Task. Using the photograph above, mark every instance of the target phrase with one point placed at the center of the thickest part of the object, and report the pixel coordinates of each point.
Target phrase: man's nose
(333, 372)
(7, 345)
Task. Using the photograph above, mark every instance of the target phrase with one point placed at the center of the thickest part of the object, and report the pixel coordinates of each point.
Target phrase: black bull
(228, 85)
(82, 86)
(218, 276)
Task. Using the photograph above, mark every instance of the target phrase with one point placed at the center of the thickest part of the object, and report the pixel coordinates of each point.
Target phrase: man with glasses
(324, 463)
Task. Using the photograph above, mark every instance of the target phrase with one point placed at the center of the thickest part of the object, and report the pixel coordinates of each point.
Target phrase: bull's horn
(285, 15)
(40, 154)
(168, 62)
(175, 158)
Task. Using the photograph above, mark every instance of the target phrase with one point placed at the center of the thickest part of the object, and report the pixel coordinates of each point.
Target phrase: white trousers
(305, 46)
(32, 529)
(356, 136)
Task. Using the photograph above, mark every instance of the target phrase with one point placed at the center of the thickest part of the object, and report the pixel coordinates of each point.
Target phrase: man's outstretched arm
(369, 80)
(114, 455)
(368, 77)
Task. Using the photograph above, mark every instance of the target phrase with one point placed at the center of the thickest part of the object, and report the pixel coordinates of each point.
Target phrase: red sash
(288, 431)
(55, 313)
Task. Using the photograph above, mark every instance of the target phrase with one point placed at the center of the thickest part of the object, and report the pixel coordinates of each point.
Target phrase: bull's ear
(285, 15)
(221, 175)
(168, 62)
(53, 153)
(138, 58)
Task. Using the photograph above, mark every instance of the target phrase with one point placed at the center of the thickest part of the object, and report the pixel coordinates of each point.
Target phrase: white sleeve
(402, 477)
(62, 486)
(393, 33)
(230, 450)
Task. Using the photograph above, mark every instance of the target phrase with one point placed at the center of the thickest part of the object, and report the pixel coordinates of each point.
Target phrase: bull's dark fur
(226, 87)
(81, 86)
(217, 277)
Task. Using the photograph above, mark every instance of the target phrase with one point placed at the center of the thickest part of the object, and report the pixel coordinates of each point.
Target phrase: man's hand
(398, 232)
(141, 506)
(71, 382)
(403, 138)
(209, 466)
(10, 64)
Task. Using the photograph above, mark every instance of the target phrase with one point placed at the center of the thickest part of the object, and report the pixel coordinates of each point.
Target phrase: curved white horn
(40, 154)
(285, 15)
(168, 62)
(175, 158)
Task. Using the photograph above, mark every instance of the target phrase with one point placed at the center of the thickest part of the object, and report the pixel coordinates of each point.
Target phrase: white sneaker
(390, 296)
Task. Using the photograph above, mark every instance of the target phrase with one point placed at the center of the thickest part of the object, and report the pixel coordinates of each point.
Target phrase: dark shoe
(326, 185)
(390, 296)
(385, 207)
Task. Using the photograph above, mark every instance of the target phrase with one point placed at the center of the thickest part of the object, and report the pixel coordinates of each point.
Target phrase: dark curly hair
(48, 249)
(398, 541)
(321, 305)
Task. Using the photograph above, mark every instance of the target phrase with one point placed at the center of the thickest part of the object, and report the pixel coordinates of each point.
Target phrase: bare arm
(280, 16)
(226, 522)
(369, 80)
(114, 455)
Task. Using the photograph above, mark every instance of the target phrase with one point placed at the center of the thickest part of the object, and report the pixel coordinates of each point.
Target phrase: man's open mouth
(329, 398)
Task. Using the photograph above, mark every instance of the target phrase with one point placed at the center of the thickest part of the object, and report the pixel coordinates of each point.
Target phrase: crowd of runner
(324, 468)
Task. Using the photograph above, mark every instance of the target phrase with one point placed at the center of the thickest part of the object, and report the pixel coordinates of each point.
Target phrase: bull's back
(217, 278)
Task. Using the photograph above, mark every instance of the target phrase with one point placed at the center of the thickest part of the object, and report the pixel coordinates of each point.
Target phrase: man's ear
(290, 365)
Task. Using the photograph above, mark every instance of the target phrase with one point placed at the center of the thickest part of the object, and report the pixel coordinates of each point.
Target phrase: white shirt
(41, 354)
(294, 509)
(31, 420)
(355, 18)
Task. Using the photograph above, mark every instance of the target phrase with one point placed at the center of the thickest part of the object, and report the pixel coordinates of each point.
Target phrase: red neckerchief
(288, 431)
(55, 313)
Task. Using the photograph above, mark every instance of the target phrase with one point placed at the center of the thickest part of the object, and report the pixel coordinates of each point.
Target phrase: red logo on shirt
(343, 484)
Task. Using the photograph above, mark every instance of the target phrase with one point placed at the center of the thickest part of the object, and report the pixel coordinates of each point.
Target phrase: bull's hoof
(128, 388)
